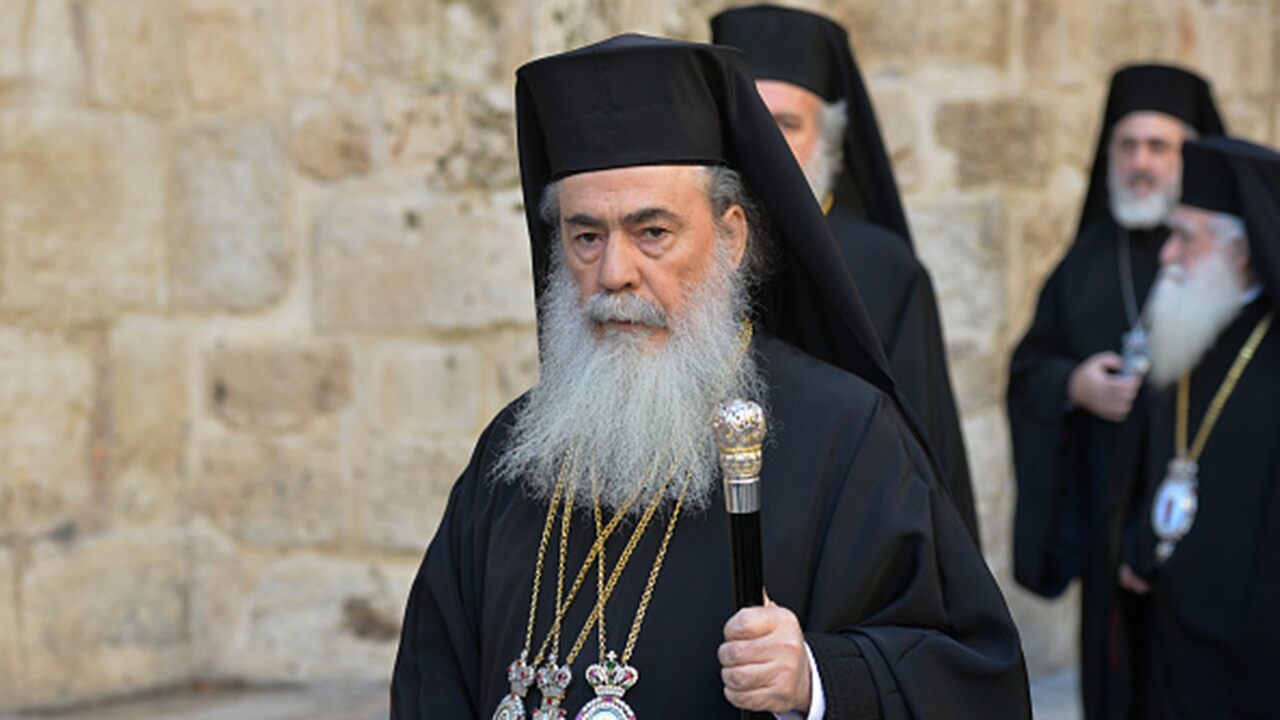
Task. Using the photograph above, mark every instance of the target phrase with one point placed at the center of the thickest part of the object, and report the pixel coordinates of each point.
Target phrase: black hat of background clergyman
(1166, 89)
(813, 52)
(1237, 177)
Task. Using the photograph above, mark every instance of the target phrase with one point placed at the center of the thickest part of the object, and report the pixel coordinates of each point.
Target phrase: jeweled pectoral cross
(521, 676)
(553, 682)
(611, 680)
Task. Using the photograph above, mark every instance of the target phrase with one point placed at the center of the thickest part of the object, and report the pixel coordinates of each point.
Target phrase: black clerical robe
(899, 298)
(900, 611)
(1066, 459)
(1213, 628)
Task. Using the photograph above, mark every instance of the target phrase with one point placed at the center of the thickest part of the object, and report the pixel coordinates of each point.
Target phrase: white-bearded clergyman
(583, 563)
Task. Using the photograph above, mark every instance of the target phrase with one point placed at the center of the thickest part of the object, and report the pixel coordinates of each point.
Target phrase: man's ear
(734, 220)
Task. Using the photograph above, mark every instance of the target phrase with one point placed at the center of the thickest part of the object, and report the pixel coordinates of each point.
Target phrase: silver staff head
(739, 428)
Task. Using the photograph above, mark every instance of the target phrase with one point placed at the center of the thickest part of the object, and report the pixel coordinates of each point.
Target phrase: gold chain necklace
(521, 673)
(553, 679)
(1173, 509)
(612, 677)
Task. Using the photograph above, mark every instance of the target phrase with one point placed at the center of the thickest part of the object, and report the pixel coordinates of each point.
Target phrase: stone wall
(264, 277)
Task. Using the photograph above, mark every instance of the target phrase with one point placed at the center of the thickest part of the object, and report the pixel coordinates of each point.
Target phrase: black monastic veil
(867, 221)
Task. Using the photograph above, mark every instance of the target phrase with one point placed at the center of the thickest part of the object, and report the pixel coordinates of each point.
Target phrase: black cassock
(900, 301)
(1214, 617)
(1069, 487)
(899, 607)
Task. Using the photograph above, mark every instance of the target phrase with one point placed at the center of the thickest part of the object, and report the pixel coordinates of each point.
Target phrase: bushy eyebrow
(635, 217)
(649, 214)
(587, 221)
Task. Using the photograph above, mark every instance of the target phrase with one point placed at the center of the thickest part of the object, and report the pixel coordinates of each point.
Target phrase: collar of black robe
(811, 51)
(1237, 177)
(1156, 88)
(636, 100)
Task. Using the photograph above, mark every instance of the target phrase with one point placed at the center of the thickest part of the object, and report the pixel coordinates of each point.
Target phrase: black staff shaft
(748, 573)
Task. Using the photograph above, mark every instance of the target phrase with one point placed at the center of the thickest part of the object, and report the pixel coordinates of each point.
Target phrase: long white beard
(821, 169)
(1135, 211)
(828, 153)
(624, 414)
(1188, 311)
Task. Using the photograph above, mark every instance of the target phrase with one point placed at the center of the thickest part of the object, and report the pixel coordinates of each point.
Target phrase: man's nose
(618, 270)
(1143, 160)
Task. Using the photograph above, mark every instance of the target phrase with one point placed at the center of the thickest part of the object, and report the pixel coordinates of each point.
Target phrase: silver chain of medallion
(1135, 343)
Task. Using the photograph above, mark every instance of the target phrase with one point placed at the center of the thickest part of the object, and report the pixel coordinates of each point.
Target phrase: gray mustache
(1139, 175)
(609, 307)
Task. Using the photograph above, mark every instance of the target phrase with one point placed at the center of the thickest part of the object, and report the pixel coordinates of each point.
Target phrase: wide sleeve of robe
(905, 620)
(918, 359)
(1037, 405)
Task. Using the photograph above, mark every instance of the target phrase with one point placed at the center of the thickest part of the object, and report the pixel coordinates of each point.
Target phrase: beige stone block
(464, 140)
(437, 43)
(965, 238)
(231, 58)
(559, 25)
(330, 138)
(977, 374)
(903, 35)
(516, 357)
(46, 405)
(1049, 629)
(898, 117)
(986, 434)
(83, 214)
(1053, 32)
(1234, 45)
(229, 250)
(276, 388)
(271, 492)
(1077, 121)
(427, 389)
(316, 617)
(219, 585)
(1046, 231)
(50, 54)
(105, 616)
(997, 141)
(11, 686)
(404, 488)
(1248, 117)
(11, 42)
(150, 419)
(399, 261)
(1124, 31)
(133, 56)
(312, 42)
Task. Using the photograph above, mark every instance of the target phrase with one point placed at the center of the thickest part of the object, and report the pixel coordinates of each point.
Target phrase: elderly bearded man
(680, 260)
(1208, 529)
(807, 76)
(1078, 370)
